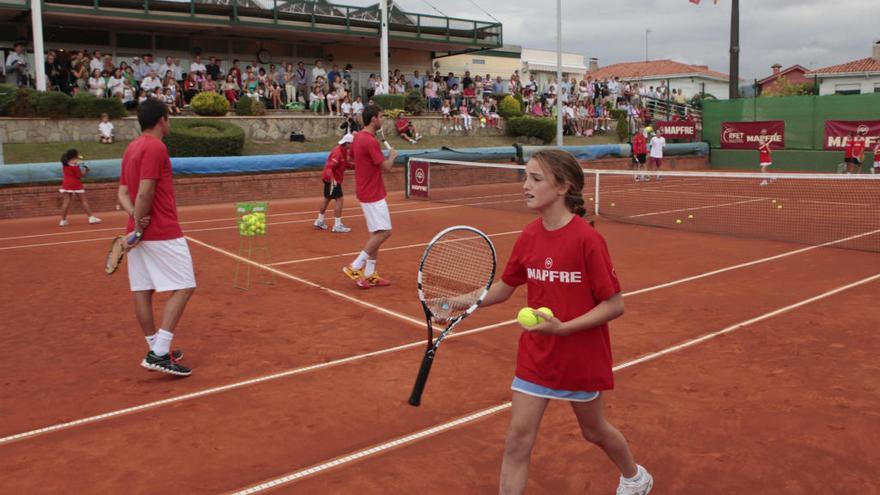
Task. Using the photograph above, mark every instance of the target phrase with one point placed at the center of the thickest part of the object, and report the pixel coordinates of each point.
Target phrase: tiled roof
(862, 65)
(784, 72)
(630, 70)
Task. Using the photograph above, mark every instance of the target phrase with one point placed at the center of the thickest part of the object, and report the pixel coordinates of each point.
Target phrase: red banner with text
(839, 132)
(748, 135)
(418, 180)
(677, 130)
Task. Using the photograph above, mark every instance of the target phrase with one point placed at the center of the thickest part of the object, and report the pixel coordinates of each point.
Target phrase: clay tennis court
(742, 365)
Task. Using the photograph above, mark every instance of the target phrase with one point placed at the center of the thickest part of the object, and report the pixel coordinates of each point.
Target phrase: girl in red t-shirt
(566, 266)
(71, 186)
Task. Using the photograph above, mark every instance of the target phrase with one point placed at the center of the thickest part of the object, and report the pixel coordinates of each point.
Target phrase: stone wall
(265, 128)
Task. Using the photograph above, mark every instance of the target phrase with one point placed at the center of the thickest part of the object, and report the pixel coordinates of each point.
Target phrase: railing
(313, 15)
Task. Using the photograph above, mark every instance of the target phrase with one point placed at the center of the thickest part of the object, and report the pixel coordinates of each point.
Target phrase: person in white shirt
(150, 82)
(197, 66)
(658, 142)
(105, 128)
(318, 71)
(97, 86)
(168, 66)
(114, 84)
(16, 65)
(380, 88)
(97, 62)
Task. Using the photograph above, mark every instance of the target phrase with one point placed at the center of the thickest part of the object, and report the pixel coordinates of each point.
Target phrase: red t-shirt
(764, 154)
(368, 158)
(337, 162)
(640, 145)
(569, 271)
(147, 158)
(857, 145)
(72, 174)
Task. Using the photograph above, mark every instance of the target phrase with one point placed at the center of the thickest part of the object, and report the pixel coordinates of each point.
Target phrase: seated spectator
(448, 122)
(208, 83)
(431, 95)
(142, 96)
(97, 86)
(357, 110)
(464, 115)
(316, 99)
(406, 130)
(275, 96)
(230, 89)
(115, 84)
(105, 130)
(190, 87)
(151, 82)
(128, 99)
(171, 101)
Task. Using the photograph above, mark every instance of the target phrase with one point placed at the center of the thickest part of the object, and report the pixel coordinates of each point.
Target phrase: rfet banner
(418, 180)
(677, 130)
(747, 135)
(839, 132)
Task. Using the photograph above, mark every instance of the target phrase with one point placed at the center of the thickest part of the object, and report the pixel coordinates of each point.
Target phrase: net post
(596, 195)
(406, 178)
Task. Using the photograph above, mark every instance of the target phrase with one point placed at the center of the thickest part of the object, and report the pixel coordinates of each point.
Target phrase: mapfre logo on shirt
(548, 275)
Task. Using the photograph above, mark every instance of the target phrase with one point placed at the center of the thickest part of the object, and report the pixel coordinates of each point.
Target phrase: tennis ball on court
(613, 204)
(690, 216)
(773, 201)
(779, 206)
(677, 220)
(545, 310)
(526, 317)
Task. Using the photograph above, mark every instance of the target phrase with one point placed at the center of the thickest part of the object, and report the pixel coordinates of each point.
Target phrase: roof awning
(531, 66)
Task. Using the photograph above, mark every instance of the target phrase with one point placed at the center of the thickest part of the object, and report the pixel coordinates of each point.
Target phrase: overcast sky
(813, 33)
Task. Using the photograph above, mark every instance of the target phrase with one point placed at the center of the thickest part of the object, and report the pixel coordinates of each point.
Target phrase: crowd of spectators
(459, 98)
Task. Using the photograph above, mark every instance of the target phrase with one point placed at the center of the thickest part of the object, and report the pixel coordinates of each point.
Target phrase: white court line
(194, 395)
(506, 405)
(697, 208)
(384, 249)
(301, 280)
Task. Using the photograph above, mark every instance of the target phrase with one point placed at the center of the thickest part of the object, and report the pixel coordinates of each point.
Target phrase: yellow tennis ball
(546, 310)
(612, 204)
(773, 201)
(677, 220)
(526, 317)
(690, 216)
(779, 206)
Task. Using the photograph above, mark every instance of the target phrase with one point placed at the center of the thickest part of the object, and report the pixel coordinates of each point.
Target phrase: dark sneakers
(166, 364)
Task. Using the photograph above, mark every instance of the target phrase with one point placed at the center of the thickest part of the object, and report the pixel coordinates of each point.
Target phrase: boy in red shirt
(764, 159)
(640, 153)
(855, 153)
(334, 172)
(565, 265)
(159, 258)
(369, 163)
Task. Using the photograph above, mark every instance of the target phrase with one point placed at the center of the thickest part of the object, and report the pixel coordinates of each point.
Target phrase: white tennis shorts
(377, 215)
(161, 266)
(876, 164)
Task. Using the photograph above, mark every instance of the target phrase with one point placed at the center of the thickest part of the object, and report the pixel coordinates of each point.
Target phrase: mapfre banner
(418, 180)
(747, 135)
(677, 130)
(838, 133)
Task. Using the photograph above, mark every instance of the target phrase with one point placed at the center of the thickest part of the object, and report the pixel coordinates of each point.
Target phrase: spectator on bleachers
(230, 89)
(318, 71)
(96, 84)
(213, 68)
(190, 87)
(56, 79)
(115, 83)
(128, 92)
(316, 98)
(431, 95)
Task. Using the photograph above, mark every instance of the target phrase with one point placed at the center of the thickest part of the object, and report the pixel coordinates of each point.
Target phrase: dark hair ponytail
(69, 155)
(565, 169)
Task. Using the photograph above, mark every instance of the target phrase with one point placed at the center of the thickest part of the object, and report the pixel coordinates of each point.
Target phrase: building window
(478, 61)
(877, 88)
(172, 43)
(77, 36)
(134, 40)
(847, 89)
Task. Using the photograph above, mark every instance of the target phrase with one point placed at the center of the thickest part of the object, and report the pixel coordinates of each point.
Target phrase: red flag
(695, 2)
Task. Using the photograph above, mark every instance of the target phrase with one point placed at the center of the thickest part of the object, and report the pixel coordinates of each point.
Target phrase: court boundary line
(436, 429)
(282, 374)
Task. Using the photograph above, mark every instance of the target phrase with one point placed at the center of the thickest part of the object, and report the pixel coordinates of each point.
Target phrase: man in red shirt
(855, 153)
(158, 255)
(369, 163)
(334, 173)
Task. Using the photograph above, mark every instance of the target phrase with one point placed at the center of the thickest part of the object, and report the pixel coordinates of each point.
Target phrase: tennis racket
(455, 274)
(117, 251)
(381, 135)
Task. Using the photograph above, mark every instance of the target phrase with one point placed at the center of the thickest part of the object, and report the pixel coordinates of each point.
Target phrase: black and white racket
(455, 274)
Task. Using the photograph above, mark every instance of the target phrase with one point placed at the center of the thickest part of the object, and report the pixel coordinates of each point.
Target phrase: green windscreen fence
(804, 116)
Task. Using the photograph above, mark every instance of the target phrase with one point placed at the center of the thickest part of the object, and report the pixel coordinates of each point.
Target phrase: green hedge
(390, 101)
(25, 104)
(210, 103)
(243, 106)
(510, 107)
(415, 103)
(543, 128)
(88, 106)
(8, 93)
(53, 104)
(201, 137)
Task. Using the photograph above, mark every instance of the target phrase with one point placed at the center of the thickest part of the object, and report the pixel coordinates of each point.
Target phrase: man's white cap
(347, 139)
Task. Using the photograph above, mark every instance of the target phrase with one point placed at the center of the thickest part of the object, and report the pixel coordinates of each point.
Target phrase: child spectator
(465, 115)
(170, 101)
(105, 129)
(71, 186)
(448, 122)
(357, 109)
(128, 99)
(316, 99)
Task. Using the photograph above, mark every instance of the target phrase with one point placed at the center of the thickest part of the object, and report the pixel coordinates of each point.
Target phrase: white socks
(320, 217)
(336, 221)
(360, 260)
(371, 268)
(162, 343)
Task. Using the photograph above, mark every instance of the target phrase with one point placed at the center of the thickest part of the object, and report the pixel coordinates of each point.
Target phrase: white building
(542, 65)
(691, 79)
(851, 78)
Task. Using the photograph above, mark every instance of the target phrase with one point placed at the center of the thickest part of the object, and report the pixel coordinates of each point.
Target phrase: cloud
(813, 33)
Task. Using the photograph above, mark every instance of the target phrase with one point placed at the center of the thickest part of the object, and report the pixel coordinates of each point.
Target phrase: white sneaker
(93, 219)
(320, 225)
(63, 223)
(640, 486)
(340, 229)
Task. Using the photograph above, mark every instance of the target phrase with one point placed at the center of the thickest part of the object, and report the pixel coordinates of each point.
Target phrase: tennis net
(813, 209)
